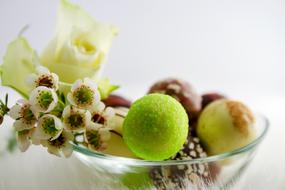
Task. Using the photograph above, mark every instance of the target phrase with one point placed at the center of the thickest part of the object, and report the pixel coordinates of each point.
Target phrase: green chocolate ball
(156, 127)
(225, 125)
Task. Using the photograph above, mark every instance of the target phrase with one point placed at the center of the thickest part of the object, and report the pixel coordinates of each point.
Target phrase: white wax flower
(48, 127)
(43, 99)
(60, 144)
(102, 115)
(23, 115)
(23, 139)
(43, 77)
(75, 119)
(84, 94)
(97, 137)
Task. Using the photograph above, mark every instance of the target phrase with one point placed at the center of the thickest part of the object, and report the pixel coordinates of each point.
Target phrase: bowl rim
(218, 157)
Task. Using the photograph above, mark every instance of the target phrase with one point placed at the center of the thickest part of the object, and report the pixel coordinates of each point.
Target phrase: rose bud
(181, 91)
(117, 101)
(210, 97)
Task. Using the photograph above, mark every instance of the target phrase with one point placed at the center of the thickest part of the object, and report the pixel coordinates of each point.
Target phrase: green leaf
(19, 61)
(106, 88)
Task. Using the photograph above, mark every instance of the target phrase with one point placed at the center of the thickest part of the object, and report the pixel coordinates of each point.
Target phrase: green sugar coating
(156, 127)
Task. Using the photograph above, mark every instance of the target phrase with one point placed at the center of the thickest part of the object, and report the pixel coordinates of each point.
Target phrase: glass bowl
(213, 172)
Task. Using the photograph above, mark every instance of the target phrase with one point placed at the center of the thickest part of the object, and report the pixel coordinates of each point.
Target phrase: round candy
(225, 125)
(155, 127)
(182, 91)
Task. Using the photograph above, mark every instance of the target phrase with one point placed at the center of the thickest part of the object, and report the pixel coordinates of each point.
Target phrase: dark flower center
(97, 118)
(58, 142)
(46, 81)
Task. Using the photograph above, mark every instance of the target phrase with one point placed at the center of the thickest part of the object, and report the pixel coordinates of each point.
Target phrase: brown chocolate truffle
(117, 101)
(210, 97)
(181, 91)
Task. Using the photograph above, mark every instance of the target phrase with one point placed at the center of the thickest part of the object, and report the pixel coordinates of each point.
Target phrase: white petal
(67, 150)
(98, 108)
(42, 70)
(15, 111)
(70, 98)
(24, 145)
(105, 134)
(53, 150)
(94, 126)
(87, 117)
(35, 140)
(23, 142)
(90, 83)
(54, 102)
(23, 101)
(33, 95)
(96, 97)
(35, 111)
(40, 134)
(31, 80)
(56, 80)
(57, 122)
(66, 112)
(20, 126)
(109, 113)
(76, 84)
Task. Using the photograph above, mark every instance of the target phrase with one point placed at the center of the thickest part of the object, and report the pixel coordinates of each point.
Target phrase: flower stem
(3, 109)
(116, 133)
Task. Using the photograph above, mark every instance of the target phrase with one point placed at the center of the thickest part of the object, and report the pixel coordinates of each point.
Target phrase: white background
(235, 47)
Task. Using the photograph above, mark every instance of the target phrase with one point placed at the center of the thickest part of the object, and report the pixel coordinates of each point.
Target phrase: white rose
(80, 46)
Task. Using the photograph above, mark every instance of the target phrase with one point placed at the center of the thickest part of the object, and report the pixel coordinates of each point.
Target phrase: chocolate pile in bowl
(181, 176)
